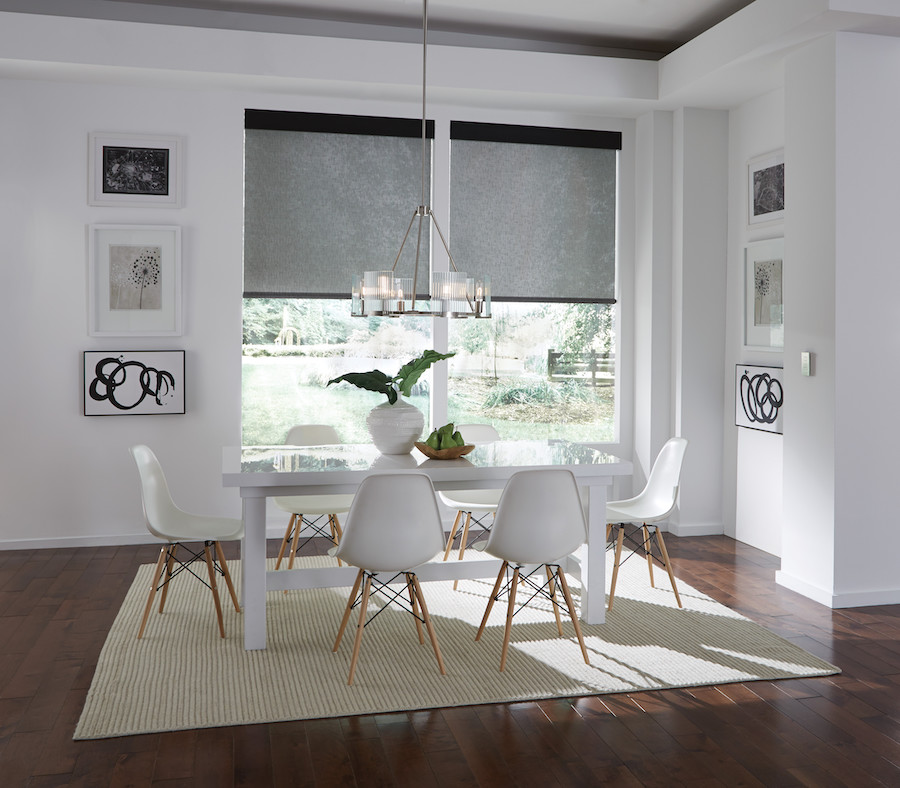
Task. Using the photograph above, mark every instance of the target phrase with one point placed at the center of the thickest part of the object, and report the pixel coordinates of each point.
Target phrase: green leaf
(411, 371)
(375, 380)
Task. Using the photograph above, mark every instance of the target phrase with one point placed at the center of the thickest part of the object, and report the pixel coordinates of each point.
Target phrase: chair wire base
(555, 575)
(369, 582)
(650, 534)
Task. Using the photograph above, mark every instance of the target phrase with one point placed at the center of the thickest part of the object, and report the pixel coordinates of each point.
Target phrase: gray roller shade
(322, 205)
(539, 218)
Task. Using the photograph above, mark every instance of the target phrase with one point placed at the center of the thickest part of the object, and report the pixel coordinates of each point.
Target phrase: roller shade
(325, 197)
(535, 209)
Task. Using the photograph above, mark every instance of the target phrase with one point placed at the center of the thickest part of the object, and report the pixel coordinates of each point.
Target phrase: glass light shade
(377, 291)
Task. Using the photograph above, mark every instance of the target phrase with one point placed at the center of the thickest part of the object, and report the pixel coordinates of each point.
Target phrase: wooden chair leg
(298, 526)
(359, 627)
(646, 534)
(462, 543)
(510, 609)
(170, 565)
(552, 588)
(353, 592)
(154, 581)
(414, 601)
(567, 594)
(665, 555)
(490, 603)
(615, 574)
(215, 590)
(284, 542)
(227, 575)
(428, 625)
(336, 533)
(452, 535)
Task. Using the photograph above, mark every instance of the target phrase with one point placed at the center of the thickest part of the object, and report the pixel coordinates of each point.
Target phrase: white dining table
(261, 472)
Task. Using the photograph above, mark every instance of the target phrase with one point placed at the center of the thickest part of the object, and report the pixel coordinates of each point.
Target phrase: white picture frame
(764, 295)
(134, 280)
(134, 382)
(135, 169)
(759, 397)
(765, 182)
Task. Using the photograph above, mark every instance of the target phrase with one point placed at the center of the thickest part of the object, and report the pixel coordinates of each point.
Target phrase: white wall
(753, 464)
(841, 280)
(66, 478)
(700, 182)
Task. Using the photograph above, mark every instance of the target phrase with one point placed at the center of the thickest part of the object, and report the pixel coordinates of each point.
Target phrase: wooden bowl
(453, 453)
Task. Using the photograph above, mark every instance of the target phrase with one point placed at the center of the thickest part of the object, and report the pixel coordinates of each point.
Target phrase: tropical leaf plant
(401, 383)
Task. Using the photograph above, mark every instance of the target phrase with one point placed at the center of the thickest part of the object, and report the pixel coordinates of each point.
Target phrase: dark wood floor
(57, 605)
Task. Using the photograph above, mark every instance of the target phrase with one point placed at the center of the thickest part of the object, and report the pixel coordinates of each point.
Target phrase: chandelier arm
(447, 250)
(403, 243)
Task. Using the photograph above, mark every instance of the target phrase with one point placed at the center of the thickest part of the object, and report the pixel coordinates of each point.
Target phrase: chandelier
(453, 293)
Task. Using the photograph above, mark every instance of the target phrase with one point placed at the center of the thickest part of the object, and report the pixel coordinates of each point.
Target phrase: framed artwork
(135, 169)
(134, 280)
(759, 397)
(133, 383)
(763, 298)
(765, 179)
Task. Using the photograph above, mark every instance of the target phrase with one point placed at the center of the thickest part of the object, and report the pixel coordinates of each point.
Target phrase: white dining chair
(650, 507)
(394, 526)
(177, 528)
(539, 522)
(306, 511)
(475, 505)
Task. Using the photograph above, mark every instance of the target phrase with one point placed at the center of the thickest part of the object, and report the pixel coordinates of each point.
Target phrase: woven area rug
(182, 675)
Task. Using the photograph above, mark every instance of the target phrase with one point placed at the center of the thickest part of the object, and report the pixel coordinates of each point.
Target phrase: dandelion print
(767, 293)
(135, 277)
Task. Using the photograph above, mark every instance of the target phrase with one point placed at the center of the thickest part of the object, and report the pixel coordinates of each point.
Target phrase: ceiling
(635, 28)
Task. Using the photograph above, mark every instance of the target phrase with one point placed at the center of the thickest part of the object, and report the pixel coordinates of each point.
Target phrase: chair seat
(314, 504)
(637, 511)
(185, 527)
(471, 500)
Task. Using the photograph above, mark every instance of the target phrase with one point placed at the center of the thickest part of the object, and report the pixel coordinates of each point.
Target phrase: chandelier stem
(424, 67)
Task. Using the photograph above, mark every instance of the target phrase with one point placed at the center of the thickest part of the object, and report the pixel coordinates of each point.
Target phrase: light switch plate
(805, 363)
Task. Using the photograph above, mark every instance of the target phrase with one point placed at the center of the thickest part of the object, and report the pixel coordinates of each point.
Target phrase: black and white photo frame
(763, 295)
(134, 280)
(135, 169)
(759, 397)
(765, 181)
(134, 383)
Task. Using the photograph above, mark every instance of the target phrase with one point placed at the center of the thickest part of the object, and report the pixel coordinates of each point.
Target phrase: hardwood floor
(57, 605)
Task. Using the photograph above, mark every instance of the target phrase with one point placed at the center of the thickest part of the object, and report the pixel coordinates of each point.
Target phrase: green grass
(278, 393)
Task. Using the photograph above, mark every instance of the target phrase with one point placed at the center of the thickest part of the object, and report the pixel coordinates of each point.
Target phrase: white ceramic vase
(395, 428)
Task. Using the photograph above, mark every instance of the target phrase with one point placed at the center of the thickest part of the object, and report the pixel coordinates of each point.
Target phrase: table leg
(593, 563)
(253, 573)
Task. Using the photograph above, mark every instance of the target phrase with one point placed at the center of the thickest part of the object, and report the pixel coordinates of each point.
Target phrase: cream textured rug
(182, 675)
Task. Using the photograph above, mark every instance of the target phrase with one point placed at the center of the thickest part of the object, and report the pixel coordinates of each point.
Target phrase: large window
(532, 208)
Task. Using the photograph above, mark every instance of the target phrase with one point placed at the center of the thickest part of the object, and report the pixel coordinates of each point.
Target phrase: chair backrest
(394, 523)
(478, 433)
(539, 518)
(312, 435)
(661, 491)
(160, 511)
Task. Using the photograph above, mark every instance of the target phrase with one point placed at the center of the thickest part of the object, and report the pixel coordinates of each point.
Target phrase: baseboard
(886, 596)
(102, 540)
(694, 529)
